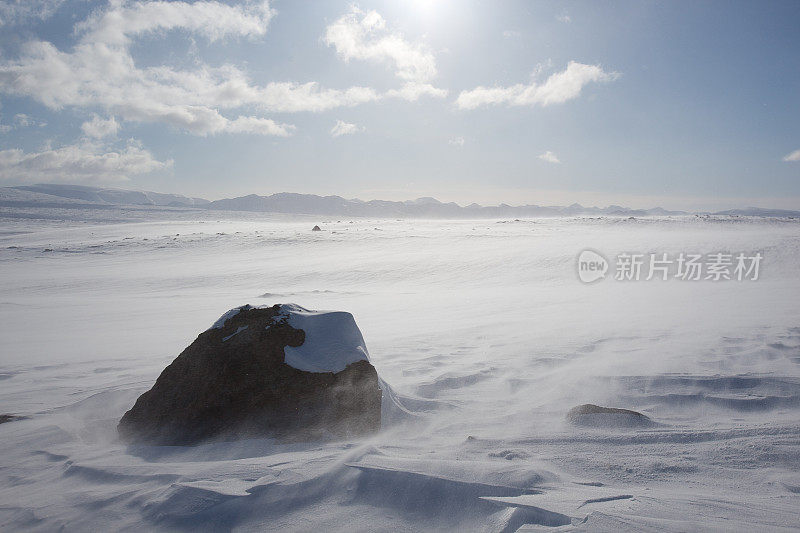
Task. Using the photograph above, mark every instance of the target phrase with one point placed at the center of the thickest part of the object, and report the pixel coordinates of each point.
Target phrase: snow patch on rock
(238, 330)
(220, 323)
(332, 342)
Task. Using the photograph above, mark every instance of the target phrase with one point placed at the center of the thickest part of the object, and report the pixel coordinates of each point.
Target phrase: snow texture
(481, 327)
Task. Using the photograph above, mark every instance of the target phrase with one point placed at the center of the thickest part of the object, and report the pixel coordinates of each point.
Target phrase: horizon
(461, 205)
(682, 106)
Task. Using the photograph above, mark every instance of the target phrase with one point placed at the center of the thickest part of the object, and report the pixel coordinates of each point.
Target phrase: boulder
(279, 371)
(597, 416)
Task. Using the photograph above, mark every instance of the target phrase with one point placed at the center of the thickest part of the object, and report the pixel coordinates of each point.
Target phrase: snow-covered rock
(332, 339)
(280, 371)
(596, 416)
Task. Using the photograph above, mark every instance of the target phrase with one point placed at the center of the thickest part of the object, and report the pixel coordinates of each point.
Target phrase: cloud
(564, 18)
(458, 141)
(4, 128)
(412, 91)
(21, 120)
(558, 88)
(364, 36)
(289, 97)
(99, 71)
(82, 162)
(99, 127)
(344, 128)
(213, 20)
(541, 67)
(549, 156)
(511, 34)
(16, 12)
(261, 126)
(794, 156)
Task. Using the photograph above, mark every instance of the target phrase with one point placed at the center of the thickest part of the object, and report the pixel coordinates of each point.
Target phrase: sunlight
(429, 9)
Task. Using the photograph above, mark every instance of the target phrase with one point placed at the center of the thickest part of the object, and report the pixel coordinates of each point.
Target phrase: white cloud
(564, 18)
(794, 156)
(558, 88)
(458, 141)
(364, 36)
(412, 91)
(83, 162)
(4, 128)
(214, 20)
(344, 128)
(549, 156)
(511, 34)
(261, 126)
(288, 97)
(99, 127)
(21, 120)
(16, 12)
(100, 71)
(541, 67)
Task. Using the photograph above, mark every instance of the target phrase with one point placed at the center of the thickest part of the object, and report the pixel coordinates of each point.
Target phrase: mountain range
(57, 195)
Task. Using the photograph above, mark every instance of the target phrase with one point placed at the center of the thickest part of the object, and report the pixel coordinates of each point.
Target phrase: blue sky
(680, 104)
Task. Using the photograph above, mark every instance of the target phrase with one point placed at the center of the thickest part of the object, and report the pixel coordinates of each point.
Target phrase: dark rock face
(232, 382)
(597, 416)
(316, 228)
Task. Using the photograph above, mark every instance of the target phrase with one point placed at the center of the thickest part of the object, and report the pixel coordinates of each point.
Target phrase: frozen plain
(483, 327)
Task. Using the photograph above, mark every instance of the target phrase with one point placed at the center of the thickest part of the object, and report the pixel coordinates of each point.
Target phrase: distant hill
(759, 212)
(312, 204)
(51, 194)
(76, 196)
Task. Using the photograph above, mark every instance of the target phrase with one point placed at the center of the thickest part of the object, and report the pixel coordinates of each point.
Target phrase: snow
(221, 321)
(485, 334)
(238, 330)
(332, 341)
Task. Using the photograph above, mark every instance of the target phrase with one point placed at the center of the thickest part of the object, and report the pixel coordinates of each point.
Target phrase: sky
(686, 105)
